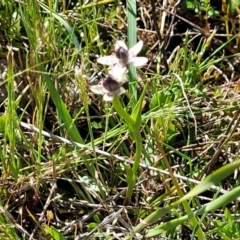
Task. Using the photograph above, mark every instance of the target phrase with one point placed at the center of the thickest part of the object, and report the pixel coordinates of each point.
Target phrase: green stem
(131, 173)
(138, 141)
(134, 129)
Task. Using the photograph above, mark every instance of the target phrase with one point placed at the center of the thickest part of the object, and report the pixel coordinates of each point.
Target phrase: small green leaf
(160, 99)
(54, 233)
(2, 123)
(91, 226)
(97, 219)
(96, 125)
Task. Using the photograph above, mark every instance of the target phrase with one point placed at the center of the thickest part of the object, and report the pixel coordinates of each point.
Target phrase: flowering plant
(112, 86)
(118, 62)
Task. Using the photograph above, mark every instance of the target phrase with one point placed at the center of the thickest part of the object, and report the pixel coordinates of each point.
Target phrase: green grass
(75, 166)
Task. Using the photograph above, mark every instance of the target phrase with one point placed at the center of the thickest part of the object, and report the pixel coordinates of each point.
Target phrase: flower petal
(108, 97)
(108, 60)
(121, 91)
(119, 72)
(97, 89)
(138, 61)
(133, 51)
(120, 44)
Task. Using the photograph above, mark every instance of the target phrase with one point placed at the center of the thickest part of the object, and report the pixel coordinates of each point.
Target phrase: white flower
(108, 88)
(123, 56)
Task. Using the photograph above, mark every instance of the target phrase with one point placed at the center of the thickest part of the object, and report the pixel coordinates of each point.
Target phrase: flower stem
(134, 130)
(132, 173)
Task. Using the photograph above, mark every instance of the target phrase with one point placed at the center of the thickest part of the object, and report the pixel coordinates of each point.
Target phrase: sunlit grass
(101, 161)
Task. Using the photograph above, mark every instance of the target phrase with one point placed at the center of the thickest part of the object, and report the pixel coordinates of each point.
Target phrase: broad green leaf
(132, 39)
(234, 6)
(136, 113)
(213, 179)
(215, 204)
